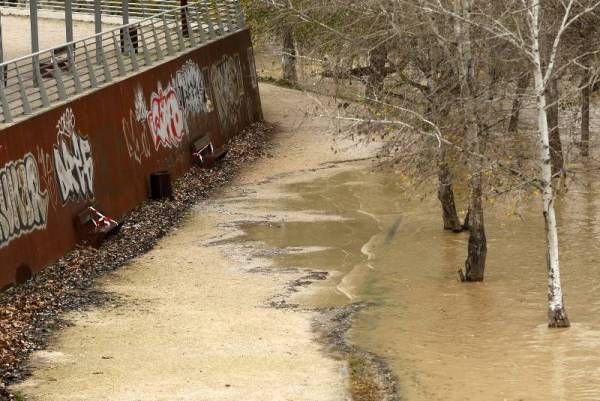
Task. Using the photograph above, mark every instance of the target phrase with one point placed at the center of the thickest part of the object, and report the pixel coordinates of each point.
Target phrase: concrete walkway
(195, 325)
(17, 35)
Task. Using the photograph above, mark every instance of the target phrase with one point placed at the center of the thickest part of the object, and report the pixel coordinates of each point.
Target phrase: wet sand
(195, 321)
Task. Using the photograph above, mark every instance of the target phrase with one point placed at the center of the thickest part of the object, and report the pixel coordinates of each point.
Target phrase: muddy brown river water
(444, 339)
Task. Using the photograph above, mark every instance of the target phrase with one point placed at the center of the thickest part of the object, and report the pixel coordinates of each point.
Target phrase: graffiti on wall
(228, 90)
(138, 146)
(73, 163)
(190, 89)
(47, 176)
(135, 129)
(166, 118)
(252, 64)
(170, 107)
(23, 204)
(185, 95)
(141, 110)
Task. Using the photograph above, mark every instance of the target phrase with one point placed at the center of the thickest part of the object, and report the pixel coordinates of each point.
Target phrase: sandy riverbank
(195, 322)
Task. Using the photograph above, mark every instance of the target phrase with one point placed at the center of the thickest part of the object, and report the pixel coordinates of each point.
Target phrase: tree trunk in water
(557, 316)
(446, 195)
(288, 59)
(522, 85)
(556, 153)
(377, 60)
(465, 225)
(585, 113)
(477, 251)
(475, 263)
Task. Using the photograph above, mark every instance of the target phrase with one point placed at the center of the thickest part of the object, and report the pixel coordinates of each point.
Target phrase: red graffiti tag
(166, 119)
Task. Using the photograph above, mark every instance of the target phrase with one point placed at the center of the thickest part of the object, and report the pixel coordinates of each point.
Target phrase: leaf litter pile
(30, 312)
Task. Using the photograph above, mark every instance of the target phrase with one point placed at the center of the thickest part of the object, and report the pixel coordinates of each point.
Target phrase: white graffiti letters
(189, 87)
(73, 162)
(138, 145)
(185, 95)
(166, 119)
(23, 204)
(141, 111)
(228, 90)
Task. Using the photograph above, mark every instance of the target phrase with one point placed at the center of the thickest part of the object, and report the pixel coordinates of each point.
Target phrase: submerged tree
(436, 75)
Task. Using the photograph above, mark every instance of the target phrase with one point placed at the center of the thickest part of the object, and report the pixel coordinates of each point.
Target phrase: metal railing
(38, 80)
(136, 8)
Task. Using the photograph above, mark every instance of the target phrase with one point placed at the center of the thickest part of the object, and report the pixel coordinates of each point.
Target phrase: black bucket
(160, 185)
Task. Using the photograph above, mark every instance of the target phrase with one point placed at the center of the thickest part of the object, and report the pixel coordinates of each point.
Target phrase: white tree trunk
(557, 316)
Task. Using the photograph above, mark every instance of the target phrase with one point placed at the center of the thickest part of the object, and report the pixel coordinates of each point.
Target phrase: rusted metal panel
(101, 148)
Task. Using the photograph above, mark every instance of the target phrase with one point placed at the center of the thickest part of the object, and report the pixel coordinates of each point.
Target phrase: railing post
(35, 44)
(117, 47)
(184, 17)
(126, 33)
(147, 59)
(41, 87)
(170, 49)
(132, 50)
(3, 72)
(60, 85)
(219, 20)
(231, 13)
(159, 54)
(211, 26)
(125, 12)
(73, 68)
(241, 20)
(98, 28)
(90, 67)
(190, 28)
(23, 92)
(69, 20)
(180, 39)
(203, 36)
(105, 68)
(6, 113)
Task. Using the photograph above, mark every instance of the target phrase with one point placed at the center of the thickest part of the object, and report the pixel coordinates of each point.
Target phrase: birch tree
(522, 27)
(543, 72)
(557, 315)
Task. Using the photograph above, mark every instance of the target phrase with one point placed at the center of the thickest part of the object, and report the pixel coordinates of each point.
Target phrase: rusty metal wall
(102, 147)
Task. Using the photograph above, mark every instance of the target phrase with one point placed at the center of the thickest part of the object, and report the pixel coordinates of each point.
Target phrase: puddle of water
(444, 339)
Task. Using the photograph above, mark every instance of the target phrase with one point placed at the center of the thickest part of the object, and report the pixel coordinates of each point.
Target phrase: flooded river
(444, 339)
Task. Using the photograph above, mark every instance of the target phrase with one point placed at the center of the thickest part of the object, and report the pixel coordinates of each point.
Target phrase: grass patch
(363, 386)
(18, 396)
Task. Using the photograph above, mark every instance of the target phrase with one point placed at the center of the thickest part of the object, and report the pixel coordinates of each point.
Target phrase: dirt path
(195, 324)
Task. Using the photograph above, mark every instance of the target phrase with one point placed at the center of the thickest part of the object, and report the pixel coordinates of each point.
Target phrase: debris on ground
(31, 312)
(371, 379)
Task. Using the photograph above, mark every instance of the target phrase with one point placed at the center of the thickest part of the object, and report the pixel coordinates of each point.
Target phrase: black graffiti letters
(23, 204)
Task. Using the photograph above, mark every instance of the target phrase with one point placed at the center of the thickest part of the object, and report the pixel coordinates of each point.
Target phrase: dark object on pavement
(160, 185)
